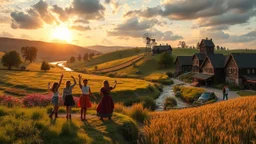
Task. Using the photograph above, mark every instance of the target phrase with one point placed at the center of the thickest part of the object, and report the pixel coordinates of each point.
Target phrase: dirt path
(231, 95)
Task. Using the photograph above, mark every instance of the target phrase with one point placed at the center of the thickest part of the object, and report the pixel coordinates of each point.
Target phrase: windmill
(149, 43)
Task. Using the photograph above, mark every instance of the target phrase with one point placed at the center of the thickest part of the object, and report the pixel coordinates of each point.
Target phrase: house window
(248, 71)
(253, 71)
(230, 70)
(235, 71)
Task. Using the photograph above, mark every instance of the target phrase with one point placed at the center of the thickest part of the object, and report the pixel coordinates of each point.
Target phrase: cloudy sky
(231, 23)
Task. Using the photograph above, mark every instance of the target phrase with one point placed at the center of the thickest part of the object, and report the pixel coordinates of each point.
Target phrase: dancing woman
(106, 105)
(55, 98)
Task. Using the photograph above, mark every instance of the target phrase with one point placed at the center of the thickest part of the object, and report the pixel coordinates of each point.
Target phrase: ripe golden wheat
(231, 121)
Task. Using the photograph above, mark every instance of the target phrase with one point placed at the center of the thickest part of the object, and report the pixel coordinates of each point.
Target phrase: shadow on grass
(67, 135)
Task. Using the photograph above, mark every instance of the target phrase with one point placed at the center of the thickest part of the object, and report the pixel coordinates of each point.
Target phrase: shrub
(176, 88)
(36, 115)
(159, 87)
(33, 100)
(9, 101)
(129, 131)
(169, 74)
(149, 103)
(120, 108)
(14, 91)
(189, 94)
(138, 113)
(169, 103)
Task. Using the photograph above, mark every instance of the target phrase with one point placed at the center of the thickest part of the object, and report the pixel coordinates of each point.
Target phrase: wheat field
(232, 121)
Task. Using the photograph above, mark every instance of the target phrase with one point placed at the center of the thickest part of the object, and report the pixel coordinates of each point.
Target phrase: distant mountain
(107, 49)
(46, 50)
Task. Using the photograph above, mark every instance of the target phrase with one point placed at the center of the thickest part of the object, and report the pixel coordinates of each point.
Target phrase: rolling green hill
(112, 56)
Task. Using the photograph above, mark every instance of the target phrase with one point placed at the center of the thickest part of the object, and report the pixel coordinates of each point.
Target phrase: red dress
(84, 101)
(106, 105)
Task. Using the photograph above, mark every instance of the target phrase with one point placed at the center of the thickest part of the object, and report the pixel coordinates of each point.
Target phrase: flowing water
(61, 64)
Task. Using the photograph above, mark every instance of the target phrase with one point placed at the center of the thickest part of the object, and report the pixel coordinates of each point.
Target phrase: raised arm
(74, 81)
(80, 84)
(114, 86)
(61, 77)
(49, 86)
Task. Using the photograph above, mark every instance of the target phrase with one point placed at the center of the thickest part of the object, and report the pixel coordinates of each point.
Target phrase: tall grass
(232, 121)
(188, 94)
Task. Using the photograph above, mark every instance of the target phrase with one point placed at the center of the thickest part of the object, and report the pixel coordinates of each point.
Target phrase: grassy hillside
(32, 125)
(127, 91)
(104, 58)
(46, 51)
(107, 49)
(232, 121)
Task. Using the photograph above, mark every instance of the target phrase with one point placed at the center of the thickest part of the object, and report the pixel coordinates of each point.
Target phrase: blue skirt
(55, 101)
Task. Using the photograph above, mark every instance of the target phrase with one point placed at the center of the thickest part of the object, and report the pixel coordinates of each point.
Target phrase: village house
(162, 48)
(183, 64)
(213, 70)
(240, 70)
(206, 48)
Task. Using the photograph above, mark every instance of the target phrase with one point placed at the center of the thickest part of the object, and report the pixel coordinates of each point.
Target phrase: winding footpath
(168, 92)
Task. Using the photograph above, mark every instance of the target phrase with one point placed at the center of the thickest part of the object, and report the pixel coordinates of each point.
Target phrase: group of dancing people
(105, 107)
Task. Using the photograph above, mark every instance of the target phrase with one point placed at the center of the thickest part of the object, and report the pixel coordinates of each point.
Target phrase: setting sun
(62, 33)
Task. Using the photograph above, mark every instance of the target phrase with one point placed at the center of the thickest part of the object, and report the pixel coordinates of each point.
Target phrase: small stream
(168, 92)
(61, 64)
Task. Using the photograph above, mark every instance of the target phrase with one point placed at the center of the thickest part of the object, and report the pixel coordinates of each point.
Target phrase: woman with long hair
(68, 97)
(106, 105)
(55, 98)
(84, 101)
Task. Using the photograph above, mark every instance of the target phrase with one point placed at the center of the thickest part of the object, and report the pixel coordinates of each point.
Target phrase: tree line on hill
(13, 59)
(85, 57)
(182, 44)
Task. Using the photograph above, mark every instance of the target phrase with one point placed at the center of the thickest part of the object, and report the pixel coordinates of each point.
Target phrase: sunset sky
(231, 23)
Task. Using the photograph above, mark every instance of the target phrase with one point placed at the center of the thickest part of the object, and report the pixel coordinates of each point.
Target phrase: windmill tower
(149, 43)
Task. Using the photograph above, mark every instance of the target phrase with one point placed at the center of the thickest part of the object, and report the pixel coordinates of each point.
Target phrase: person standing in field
(106, 105)
(226, 92)
(68, 97)
(55, 98)
(84, 101)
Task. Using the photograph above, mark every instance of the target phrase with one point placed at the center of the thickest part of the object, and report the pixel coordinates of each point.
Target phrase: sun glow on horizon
(62, 33)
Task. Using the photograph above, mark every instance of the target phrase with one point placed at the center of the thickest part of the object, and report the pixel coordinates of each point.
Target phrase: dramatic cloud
(227, 38)
(137, 28)
(80, 28)
(210, 12)
(63, 16)
(25, 21)
(34, 18)
(88, 9)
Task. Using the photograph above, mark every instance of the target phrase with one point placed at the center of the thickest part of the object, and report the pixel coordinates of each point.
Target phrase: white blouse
(56, 94)
(85, 90)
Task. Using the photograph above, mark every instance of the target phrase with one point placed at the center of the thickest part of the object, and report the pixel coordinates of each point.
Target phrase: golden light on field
(62, 33)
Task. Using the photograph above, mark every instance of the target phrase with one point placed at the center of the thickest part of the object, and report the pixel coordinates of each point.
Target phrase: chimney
(160, 45)
(211, 39)
(167, 44)
(206, 38)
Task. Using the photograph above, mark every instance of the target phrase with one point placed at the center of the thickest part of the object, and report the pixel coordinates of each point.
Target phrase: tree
(72, 59)
(182, 44)
(137, 50)
(218, 47)
(11, 59)
(198, 45)
(194, 47)
(96, 68)
(91, 55)
(29, 53)
(45, 66)
(86, 57)
(79, 57)
(165, 60)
